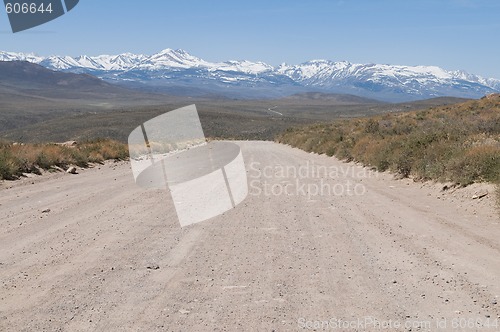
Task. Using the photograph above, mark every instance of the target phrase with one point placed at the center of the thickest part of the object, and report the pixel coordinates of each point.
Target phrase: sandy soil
(110, 256)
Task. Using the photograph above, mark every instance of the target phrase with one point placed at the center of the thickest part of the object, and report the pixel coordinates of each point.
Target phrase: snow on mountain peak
(169, 58)
(11, 56)
(320, 74)
(244, 66)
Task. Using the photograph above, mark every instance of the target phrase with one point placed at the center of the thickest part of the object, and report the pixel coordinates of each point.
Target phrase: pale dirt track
(397, 252)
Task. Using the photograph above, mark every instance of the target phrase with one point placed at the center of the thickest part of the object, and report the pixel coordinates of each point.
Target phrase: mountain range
(178, 72)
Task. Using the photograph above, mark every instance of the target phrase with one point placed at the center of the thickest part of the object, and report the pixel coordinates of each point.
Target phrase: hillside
(332, 98)
(35, 80)
(459, 143)
(30, 94)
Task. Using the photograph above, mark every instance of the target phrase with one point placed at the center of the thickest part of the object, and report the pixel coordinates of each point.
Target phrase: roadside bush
(8, 169)
(31, 158)
(459, 143)
(480, 163)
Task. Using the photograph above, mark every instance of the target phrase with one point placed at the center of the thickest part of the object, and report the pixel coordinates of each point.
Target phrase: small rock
(479, 196)
(71, 170)
(68, 144)
(153, 267)
(46, 211)
(57, 168)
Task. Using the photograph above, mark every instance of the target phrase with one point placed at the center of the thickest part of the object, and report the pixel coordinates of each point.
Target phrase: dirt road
(316, 244)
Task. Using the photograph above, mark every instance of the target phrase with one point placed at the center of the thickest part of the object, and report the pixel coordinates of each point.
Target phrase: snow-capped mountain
(10, 56)
(177, 71)
(415, 81)
(82, 63)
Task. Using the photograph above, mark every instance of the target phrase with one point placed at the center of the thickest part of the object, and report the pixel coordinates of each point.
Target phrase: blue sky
(453, 34)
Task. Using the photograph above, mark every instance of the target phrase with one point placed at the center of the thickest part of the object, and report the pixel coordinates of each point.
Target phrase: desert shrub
(96, 157)
(8, 169)
(52, 155)
(379, 154)
(458, 143)
(103, 149)
(330, 150)
(309, 144)
(480, 163)
(344, 151)
(371, 126)
(30, 158)
(432, 162)
(364, 148)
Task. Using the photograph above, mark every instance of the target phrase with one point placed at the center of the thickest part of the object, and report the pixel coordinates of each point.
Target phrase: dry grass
(459, 143)
(16, 159)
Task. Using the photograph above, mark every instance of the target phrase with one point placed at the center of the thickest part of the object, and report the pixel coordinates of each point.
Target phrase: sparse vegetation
(459, 143)
(16, 159)
(32, 121)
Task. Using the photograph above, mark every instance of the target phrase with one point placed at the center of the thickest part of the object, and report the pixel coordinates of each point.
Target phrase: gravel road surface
(316, 244)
